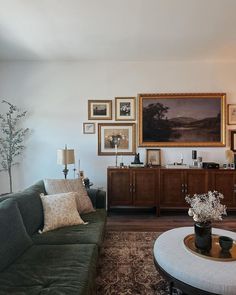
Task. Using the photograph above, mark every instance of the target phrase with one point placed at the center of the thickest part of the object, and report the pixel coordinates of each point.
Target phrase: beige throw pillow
(59, 210)
(55, 186)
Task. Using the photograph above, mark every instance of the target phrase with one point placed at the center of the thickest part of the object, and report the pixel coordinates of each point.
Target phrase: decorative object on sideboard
(204, 209)
(100, 109)
(194, 158)
(125, 108)
(137, 159)
(153, 157)
(65, 157)
(210, 165)
(123, 132)
(122, 163)
(232, 114)
(199, 162)
(136, 162)
(178, 165)
(11, 138)
(230, 160)
(88, 128)
(162, 123)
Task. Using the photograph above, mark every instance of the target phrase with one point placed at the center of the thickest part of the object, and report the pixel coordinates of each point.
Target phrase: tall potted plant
(11, 138)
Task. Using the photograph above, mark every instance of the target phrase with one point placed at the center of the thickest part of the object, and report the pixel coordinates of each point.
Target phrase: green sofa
(62, 261)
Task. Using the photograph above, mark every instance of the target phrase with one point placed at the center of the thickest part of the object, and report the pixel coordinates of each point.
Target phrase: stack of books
(136, 165)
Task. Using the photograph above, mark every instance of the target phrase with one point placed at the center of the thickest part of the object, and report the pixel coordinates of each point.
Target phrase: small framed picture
(233, 140)
(125, 108)
(232, 114)
(153, 157)
(99, 109)
(116, 139)
(88, 128)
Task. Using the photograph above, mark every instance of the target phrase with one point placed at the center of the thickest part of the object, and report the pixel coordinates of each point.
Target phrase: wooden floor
(150, 222)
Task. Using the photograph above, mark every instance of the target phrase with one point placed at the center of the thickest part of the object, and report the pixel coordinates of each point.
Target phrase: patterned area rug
(126, 265)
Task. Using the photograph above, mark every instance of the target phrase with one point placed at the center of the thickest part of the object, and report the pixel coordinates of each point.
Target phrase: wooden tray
(215, 253)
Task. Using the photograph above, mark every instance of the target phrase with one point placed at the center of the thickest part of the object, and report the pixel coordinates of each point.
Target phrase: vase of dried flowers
(204, 209)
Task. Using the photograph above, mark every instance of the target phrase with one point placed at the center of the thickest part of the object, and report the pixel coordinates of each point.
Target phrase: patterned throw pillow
(59, 210)
(56, 186)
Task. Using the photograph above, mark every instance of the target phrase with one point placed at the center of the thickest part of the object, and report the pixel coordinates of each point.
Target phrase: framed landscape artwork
(88, 128)
(99, 109)
(125, 108)
(116, 138)
(232, 114)
(184, 119)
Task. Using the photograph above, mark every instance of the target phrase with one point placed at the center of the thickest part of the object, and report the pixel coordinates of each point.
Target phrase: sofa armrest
(98, 198)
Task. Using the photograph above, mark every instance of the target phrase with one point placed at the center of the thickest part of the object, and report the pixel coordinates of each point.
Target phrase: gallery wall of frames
(158, 120)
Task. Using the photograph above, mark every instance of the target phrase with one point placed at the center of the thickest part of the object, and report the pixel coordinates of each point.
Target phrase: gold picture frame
(232, 114)
(99, 109)
(125, 108)
(182, 119)
(153, 157)
(123, 133)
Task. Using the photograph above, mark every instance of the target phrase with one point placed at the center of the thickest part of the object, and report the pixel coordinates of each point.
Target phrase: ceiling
(118, 30)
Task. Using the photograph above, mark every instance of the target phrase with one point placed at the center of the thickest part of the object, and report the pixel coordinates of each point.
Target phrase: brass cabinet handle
(130, 187)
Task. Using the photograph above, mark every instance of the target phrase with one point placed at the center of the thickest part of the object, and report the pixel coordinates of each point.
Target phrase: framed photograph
(125, 108)
(182, 119)
(233, 140)
(99, 109)
(116, 138)
(88, 128)
(153, 157)
(232, 114)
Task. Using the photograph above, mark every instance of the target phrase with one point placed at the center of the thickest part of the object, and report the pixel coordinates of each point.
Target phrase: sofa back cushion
(56, 186)
(60, 210)
(14, 239)
(30, 206)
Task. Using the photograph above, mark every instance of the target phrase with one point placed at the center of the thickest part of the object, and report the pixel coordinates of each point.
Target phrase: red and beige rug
(126, 265)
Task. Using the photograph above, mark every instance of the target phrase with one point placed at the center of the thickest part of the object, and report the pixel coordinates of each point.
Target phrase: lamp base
(65, 171)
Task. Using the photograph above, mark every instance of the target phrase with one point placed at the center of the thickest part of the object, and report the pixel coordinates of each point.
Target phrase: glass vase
(203, 235)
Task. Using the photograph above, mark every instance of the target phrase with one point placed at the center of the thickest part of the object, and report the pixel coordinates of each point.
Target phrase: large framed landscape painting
(182, 119)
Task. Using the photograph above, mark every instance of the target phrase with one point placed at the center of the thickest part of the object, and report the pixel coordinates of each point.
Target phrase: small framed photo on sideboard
(153, 157)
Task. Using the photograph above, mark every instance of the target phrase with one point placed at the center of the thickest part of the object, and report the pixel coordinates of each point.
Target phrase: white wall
(56, 95)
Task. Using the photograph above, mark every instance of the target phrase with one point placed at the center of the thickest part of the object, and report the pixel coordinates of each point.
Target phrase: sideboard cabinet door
(172, 188)
(145, 186)
(225, 183)
(119, 187)
(196, 182)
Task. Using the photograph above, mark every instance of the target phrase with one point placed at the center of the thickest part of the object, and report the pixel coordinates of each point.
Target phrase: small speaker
(194, 155)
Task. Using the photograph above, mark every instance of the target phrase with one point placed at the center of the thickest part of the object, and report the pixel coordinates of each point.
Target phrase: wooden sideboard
(166, 188)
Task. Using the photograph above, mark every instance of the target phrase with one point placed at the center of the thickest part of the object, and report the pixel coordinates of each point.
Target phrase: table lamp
(65, 157)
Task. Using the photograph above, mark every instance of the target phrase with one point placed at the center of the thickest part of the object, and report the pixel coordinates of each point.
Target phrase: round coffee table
(190, 273)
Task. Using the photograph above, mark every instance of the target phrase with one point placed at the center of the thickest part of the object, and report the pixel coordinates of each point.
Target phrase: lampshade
(65, 157)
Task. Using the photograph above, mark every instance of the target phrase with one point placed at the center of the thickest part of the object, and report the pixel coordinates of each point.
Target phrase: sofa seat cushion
(52, 269)
(91, 233)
